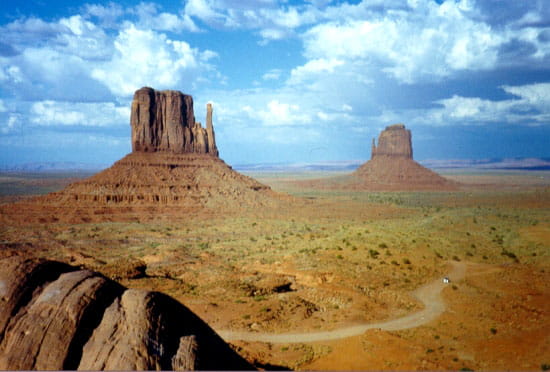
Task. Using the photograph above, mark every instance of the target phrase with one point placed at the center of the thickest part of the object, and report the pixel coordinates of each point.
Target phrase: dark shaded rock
(165, 121)
(55, 316)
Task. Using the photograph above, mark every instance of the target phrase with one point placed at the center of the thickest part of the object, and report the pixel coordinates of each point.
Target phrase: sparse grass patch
(509, 254)
(374, 253)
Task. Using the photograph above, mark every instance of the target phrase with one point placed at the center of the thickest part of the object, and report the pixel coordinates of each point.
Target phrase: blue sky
(291, 81)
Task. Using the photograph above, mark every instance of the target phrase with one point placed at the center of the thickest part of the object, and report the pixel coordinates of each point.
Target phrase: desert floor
(338, 279)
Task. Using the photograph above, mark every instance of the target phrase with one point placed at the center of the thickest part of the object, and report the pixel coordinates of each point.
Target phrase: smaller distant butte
(392, 166)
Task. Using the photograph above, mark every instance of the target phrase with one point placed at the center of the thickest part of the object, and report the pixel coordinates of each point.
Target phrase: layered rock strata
(174, 163)
(57, 317)
(392, 166)
(164, 179)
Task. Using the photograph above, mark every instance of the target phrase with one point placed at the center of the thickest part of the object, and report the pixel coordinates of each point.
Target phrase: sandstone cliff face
(165, 121)
(394, 141)
(54, 316)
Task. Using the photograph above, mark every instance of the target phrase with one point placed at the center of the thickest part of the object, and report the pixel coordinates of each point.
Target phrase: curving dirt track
(429, 295)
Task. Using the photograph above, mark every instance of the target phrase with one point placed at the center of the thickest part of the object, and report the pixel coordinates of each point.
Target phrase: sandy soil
(428, 295)
(365, 266)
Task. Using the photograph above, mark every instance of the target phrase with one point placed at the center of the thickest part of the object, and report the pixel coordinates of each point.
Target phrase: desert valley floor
(287, 285)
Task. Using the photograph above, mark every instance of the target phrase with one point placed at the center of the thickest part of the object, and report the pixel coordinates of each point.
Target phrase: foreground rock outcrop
(55, 316)
(392, 166)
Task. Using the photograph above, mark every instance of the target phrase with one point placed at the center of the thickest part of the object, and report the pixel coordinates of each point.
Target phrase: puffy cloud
(150, 17)
(272, 20)
(107, 15)
(54, 113)
(202, 9)
(531, 106)
(278, 113)
(145, 57)
(313, 68)
(536, 95)
(429, 40)
(31, 31)
(83, 39)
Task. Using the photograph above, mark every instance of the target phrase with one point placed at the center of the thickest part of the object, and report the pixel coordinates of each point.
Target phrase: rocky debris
(165, 179)
(265, 284)
(394, 141)
(54, 316)
(165, 121)
(392, 166)
(125, 268)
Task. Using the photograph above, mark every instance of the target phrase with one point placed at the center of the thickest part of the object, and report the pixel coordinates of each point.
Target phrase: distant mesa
(392, 166)
(59, 317)
(174, 164)
(393, 142)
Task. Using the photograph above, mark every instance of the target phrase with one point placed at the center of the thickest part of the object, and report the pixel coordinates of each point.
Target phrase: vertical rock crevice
(165, 121)
(90, 320)
(79, 319)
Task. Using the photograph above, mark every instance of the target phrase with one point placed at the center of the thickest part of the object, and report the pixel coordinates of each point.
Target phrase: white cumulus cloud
(56, 113)
(145, 57)
(429, 40)
(278, 113)
(531, 106)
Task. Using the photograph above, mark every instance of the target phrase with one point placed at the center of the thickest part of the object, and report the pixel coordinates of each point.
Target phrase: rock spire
(210, 131)
(165, 121)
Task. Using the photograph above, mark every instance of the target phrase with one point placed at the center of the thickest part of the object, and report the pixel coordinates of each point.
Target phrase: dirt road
(429, 295)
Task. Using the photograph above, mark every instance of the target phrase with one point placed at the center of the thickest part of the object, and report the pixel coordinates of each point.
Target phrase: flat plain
(331, 260)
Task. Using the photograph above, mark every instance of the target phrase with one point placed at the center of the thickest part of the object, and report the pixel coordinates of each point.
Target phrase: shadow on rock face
(55, 316)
